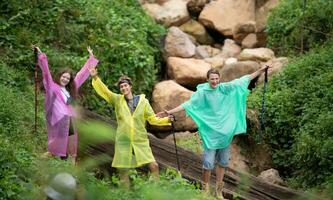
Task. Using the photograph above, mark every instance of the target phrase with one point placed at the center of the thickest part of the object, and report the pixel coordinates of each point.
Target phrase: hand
(90, 50)
(92, 71)
(266, 65)
(33, 46)
(162, 114)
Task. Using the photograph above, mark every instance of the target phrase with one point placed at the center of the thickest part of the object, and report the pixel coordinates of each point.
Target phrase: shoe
(205, 189)
(218, 190)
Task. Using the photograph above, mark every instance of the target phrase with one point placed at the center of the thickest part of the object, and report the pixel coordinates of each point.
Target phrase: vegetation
(299, 100)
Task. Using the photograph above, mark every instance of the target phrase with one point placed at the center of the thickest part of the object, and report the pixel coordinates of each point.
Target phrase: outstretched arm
(260, 71)
(44, 66)
(83, 74)
(170, 112)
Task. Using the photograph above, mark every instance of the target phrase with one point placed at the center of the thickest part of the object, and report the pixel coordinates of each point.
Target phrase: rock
(196, 6)
(241, 30)
(271, 176)
(230, 61)
(258, 54)
(224, 15)
(215, 62)
(262, 13)
(250, 41)
(205, 51)
(168, 95)
(178, 44)
(198, 31)
(230, 49)
(168, 13)
(187, 71)
(235, 70)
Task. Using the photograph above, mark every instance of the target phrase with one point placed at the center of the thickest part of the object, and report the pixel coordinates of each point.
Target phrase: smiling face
(64, 79)
(213, 80)
(125, 89)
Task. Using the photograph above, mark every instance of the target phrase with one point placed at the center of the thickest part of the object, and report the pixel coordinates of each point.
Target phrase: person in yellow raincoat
(132, 111)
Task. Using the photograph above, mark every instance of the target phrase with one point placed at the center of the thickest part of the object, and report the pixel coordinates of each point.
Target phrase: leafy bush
(299, 118)
(291, 20)
(124, 38)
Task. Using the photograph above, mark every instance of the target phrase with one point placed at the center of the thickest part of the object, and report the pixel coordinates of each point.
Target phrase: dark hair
(124, 79)
(213, 71)
(71, 87)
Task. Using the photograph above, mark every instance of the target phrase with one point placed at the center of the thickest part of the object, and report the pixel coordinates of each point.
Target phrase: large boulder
(215, 62)
(168, 13)
(250, 41)
(168, 95)
(178, 44)
(242, 29)
(257, 54)
(195, 6)
(187, 71)
(198, 31)
(262, 13)
(235, 70)
(230, 49)
(205, 51)
(224, 15)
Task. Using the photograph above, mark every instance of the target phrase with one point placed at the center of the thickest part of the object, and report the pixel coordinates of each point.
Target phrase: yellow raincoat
(131, 137)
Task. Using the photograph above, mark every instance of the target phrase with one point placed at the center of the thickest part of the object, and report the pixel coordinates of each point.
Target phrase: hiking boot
(205, 189)
(218, 190)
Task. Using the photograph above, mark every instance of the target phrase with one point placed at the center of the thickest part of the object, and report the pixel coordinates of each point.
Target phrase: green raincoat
(220, 113)
(131, 137)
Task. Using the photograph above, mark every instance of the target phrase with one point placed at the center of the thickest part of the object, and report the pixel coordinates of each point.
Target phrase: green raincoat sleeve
(219, 113)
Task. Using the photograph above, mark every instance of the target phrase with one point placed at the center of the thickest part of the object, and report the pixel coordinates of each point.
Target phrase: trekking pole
(262, 118)
(36, 76)
(174, 140)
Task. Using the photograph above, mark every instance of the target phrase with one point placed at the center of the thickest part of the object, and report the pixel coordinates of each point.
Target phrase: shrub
(291, 20)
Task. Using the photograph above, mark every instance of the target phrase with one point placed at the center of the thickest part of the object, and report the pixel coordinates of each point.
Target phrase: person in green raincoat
(132, 111)
(219, 110)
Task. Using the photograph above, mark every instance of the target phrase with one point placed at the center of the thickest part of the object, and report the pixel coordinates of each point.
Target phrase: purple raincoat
(57, 112)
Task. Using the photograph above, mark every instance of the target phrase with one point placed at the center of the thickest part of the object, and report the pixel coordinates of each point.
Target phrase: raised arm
(43, 64)
(101, 89)
(83, 74)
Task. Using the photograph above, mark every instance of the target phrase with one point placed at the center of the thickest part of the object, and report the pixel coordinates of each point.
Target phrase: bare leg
(205, 179)
(70, 149)
(153, 167)
(124, 178)
(219, 181)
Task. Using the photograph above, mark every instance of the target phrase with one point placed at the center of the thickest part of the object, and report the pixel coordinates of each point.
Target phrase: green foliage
(123, 37)
(291, 20)
(299, 118)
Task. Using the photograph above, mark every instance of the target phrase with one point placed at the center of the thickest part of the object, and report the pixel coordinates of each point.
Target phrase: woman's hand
(92, 71)
(36, 47)
(90, 51)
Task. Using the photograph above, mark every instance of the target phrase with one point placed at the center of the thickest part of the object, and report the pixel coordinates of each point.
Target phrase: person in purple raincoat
(59, 95)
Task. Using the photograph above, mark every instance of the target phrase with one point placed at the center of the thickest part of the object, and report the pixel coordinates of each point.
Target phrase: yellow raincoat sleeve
(103, 91)
(152, 119)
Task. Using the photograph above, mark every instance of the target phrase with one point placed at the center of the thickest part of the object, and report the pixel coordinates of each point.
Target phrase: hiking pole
(262, 122)
(36, 74)
(174, 139)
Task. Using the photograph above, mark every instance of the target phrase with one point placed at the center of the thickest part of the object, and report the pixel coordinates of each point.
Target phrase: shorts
(218, 156)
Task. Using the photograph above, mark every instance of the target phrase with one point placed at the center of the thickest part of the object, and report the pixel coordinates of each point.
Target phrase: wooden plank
(245, 186)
